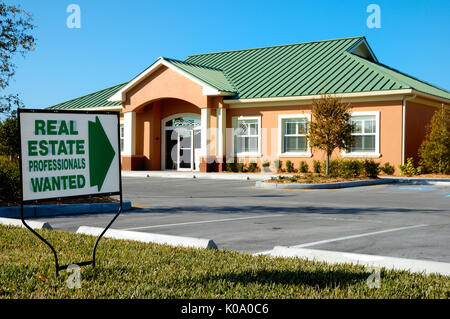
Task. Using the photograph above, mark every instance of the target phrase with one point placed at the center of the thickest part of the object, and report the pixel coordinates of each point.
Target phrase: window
(365, 134)
(293, 129)
(247, 135)
(122, 138)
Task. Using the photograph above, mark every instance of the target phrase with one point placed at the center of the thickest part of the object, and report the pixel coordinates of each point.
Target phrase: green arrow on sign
(101, 153)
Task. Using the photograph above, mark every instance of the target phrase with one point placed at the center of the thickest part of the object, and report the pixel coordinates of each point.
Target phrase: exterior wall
(164, 83)
(417, 117)
(390, 131)
(148, 130)
(163, 93)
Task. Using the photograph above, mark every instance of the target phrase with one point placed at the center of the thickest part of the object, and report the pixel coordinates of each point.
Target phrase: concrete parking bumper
(335, 257)
(149, 237)
(18, 223)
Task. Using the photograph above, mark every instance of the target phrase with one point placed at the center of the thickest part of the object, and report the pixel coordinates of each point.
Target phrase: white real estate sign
(65, 154)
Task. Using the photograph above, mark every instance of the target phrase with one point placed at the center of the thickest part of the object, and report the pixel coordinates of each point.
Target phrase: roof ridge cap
(194, 64)
(277, 46)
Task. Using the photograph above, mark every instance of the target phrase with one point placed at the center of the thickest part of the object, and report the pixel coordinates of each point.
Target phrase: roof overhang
(97, 108)
(346, 97)
(208, 90)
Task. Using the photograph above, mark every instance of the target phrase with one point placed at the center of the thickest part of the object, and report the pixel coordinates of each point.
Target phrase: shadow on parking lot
(315, 278)
(281, 210)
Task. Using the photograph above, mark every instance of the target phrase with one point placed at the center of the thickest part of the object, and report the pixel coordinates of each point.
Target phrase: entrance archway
(181, 142)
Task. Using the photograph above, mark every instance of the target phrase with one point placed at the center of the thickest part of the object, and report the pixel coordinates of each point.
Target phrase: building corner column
(221, 138)
(129, 148)
(205, 165)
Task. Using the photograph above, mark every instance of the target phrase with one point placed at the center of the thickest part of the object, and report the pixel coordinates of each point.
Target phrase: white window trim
(235, 119)
(375, 154)
(282, 117)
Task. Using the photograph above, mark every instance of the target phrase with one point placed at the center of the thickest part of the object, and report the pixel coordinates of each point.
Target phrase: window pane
(295, 126)
(247, 127)
(253, 128)
(252, 144)
(364, 143)
(291, 127)
(369, 143)
(369, 126)
(242, 129)
(303, 127)
(358, 126)
(240, 144)
(294, 144)
(357, 144)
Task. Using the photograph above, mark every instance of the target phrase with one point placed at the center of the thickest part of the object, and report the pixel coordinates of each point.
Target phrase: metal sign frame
(22, 202)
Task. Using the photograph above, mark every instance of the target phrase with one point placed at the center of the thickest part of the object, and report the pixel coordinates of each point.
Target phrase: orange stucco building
(254, 105)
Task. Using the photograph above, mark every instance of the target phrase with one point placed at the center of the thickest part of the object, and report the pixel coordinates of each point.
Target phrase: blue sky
(118, 39)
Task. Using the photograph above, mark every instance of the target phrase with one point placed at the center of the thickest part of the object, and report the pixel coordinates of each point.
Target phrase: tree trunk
(327, 168)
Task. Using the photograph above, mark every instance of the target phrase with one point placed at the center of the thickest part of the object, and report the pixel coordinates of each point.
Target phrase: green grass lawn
(129, 269)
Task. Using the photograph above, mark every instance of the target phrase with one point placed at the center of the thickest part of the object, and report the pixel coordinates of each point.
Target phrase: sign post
(69, 154)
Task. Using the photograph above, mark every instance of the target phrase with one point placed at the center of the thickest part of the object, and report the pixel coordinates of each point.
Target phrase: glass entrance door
(185, 154)
(182, 143)
(189, 145)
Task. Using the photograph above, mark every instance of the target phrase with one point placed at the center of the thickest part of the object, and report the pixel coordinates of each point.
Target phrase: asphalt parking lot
(398, 220)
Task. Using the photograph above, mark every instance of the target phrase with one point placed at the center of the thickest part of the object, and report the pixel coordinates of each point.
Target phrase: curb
(18, 223)
(260, 184)
(65, 209)
(421, 180)
(335, 257)
(149, 237)
(198, 175)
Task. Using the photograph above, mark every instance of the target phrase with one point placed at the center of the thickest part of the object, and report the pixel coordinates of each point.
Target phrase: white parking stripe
(356, 236)
(204, 222)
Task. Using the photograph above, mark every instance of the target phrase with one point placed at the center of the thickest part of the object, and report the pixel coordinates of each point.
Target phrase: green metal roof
(306, 68)
(285, 71)
(96, 99)
(207, 74)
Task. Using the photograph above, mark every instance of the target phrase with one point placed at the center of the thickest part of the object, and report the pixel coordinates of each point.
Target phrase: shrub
(240, 167)
(230, 167)
(434, 152)
(266, 164)
(388, 169)
(289, 166)
(371, 168)
(294, 178)
(303, 167)
(9, 180)
(409, 169)
(352, 168)
(316, 166)
(333, 169)
(252, 167)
